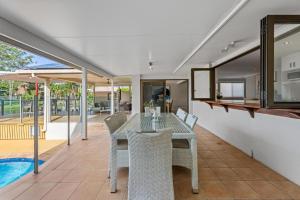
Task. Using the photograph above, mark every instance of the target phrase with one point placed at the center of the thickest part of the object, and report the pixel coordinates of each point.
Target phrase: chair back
(150, 166)
(157, 110)
(115, 121)
(181, 114)
(191, 120)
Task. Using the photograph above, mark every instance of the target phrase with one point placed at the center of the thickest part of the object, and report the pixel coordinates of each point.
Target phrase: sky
(39, 60)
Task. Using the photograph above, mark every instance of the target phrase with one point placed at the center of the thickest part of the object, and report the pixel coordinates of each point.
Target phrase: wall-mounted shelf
(253, 108)
(250, 107)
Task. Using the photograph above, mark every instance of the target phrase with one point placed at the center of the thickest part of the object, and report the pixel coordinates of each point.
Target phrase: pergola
(46, 76)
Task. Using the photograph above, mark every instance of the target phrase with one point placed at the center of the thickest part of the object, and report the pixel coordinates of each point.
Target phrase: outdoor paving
(80, 172)
(24, 148)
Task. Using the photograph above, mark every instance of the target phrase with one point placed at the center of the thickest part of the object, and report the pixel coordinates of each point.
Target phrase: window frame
(211, 84)
(267, 59)
(232, 81)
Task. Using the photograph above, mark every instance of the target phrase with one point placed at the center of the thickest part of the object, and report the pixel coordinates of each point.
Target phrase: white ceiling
(119, 35)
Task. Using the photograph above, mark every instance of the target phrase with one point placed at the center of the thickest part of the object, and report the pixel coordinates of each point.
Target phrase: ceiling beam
(216, 29)
(19, 37)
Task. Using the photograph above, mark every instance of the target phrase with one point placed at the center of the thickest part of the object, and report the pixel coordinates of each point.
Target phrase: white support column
(112, 105)
(136, 92)
(84, 104)
(47, 106)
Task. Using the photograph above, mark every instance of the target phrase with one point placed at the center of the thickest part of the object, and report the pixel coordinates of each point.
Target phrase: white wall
(274, 140)
(59, 130)
(251, 87)
(178, 93)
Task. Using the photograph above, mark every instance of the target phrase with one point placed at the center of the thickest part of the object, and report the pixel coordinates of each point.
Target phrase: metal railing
(24, 108)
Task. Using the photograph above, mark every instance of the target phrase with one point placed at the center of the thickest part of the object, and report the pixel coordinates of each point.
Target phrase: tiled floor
(24, 148)
(80, 172)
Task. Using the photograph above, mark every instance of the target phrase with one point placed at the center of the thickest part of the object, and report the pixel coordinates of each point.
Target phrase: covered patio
(230, 69)
(80, 172)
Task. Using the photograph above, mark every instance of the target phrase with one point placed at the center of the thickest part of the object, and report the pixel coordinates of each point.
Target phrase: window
(238, 78)
(203, 84)
(280, 43)
(232, 90)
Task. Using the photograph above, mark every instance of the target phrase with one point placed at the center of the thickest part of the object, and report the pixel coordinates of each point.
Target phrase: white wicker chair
(181, 114)
(113, 122)
(181, 147)
(191, 120)
(150, 166)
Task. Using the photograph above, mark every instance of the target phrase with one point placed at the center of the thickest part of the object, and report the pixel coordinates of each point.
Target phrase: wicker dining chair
(191, 120)
(183, 143)
(150, 166)
(181, 114)
(113, 122)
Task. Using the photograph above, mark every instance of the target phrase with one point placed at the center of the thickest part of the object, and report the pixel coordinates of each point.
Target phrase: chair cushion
(181, 143)
(122, 144)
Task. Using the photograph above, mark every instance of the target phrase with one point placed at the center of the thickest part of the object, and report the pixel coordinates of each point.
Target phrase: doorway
(168, 94)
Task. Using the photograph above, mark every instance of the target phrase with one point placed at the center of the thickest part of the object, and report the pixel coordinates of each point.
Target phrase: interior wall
(251, 92)
(179, 94)
(274, 140)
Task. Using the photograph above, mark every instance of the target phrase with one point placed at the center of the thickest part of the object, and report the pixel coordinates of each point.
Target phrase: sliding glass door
(153, 92)
(168, 94)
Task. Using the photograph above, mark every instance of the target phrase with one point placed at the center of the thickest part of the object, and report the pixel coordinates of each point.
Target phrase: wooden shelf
(253, 108)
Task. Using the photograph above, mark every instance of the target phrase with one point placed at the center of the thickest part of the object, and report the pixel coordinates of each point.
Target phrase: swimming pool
(11, 169)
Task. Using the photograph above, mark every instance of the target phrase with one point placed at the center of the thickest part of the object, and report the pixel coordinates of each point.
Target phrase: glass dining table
(143, 123)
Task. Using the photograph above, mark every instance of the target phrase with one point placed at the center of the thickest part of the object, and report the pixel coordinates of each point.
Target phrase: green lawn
(13, 108)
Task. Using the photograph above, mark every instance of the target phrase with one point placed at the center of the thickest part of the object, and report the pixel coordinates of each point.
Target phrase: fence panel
(15, 131)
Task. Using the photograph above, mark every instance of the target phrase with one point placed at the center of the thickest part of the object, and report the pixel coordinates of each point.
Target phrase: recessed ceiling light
(286, 43)
(225, 49)
(232, 44)
(150, 65)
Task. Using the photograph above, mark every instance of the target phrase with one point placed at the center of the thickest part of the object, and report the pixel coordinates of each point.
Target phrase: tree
(12, 58)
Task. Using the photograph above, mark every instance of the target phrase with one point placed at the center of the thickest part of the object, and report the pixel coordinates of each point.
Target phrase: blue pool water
(11, 169)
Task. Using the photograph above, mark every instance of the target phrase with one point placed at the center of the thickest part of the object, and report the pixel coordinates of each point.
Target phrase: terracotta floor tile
(182, 191)
(226, 174)
(268, 174)
(240, 190)
(61, 191)
(54, 176)
(214, 190)
(180, 174)
(207, 155)
(291, 188)
(247, 174)
(237, 163)
(266, 190)
(68, 164)
(80, 172)
(224, 155)
(206, 174)
(76, 176)
(216, 163)
(202, 163)
(105, 193)
(14, 192)
(36, 191)
(87, 191)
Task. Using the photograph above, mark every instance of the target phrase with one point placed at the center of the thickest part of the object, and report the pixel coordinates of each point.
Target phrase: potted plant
(219, 95)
